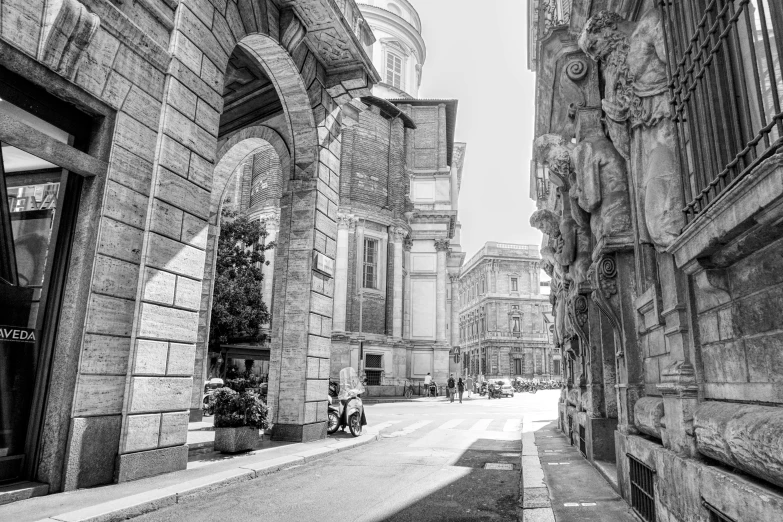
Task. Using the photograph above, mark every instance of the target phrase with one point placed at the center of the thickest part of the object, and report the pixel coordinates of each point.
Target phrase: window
(394, 69)
(556, 367)
(515, 324)
(514, 284)
(642, 489)
(370, 274)
(374, 360)
(725, 70)
(519, 366)
(715, 514)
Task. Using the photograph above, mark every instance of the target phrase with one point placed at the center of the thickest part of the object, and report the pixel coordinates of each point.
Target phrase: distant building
(502, 328)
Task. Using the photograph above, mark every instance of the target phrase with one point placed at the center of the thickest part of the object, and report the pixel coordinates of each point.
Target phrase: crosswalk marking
(450, 425)
(481, 425)
(512, 425)
(408, 429)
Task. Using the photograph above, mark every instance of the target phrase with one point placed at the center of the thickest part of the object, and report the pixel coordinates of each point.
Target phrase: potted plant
(239, 415)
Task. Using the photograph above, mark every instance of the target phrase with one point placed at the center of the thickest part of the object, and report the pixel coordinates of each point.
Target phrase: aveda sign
(17, 334)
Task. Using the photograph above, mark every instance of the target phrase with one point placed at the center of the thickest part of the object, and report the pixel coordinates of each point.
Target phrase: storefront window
(32, 196)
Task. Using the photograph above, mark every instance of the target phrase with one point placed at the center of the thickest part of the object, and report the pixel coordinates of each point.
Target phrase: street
(428, 466)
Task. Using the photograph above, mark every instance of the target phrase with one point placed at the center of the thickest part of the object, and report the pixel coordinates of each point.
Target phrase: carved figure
(602, 184)
(572, 247)
(638, 115)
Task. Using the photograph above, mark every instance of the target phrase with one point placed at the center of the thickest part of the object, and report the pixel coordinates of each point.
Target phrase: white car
(507, 389)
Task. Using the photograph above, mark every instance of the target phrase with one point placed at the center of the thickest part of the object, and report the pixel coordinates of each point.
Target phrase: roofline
(451, 117)
(389, 109)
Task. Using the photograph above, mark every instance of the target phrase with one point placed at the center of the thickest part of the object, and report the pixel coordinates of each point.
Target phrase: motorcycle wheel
(334, 423)
(355, 424)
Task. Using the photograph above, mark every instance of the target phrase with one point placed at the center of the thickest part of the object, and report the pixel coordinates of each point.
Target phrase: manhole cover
(502, 466)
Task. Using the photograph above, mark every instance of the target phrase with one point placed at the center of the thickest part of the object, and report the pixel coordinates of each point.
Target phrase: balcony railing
(726, 88)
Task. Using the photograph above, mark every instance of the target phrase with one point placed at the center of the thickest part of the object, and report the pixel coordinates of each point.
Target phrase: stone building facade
(502, 331)
(658, 176)
(125, 128)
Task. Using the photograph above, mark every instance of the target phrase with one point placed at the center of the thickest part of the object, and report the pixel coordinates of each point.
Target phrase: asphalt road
(429, 466)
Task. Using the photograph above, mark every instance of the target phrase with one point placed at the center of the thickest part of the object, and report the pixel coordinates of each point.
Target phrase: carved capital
(346, 221)
(271, 221)
(442, 245)
(407, 243)
(397, 234)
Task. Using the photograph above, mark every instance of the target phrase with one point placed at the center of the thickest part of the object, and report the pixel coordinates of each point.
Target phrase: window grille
(393, 70)
(642, 489)
(373, 377)
(370, 275)
(582, 441)
(373, 360)
(726, 86)
(716, 515)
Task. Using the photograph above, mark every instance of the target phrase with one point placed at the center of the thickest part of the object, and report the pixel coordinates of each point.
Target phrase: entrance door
(37, 206)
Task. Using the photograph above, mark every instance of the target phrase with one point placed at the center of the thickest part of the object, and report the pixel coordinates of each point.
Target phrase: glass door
(34, 194)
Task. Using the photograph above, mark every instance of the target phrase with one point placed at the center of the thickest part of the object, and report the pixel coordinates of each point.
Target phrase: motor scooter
(345, 404)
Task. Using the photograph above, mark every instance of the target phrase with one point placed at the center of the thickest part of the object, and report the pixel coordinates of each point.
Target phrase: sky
(477, 53)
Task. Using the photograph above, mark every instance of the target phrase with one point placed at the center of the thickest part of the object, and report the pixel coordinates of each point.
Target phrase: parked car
(506, 390)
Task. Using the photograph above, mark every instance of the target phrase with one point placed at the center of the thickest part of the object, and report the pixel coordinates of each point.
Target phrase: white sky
(477, 53)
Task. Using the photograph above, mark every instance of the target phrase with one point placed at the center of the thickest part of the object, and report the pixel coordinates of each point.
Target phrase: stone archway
(165, 317)
(232, 152)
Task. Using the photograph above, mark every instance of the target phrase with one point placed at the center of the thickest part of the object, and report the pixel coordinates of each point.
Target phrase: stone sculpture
(636, 103)
(572, 247)
(602, 184)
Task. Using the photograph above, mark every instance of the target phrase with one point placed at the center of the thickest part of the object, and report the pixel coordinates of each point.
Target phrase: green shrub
(234, 409)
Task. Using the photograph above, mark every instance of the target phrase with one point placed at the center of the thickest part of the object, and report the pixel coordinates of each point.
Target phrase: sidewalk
(561, 485)
(205, 472)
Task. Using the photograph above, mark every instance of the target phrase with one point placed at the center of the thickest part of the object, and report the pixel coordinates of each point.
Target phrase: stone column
(272, 224)
(344, 223)
(397, 235)
(406, 300)
(454, 309)
(442, 247)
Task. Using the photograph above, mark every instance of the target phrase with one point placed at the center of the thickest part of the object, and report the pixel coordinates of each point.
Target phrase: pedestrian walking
(450, 385)
(469, 386)
(460, 389)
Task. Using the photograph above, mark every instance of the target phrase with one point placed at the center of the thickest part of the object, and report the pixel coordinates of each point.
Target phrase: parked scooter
(493, 389)
(345, 403)
(483, 389)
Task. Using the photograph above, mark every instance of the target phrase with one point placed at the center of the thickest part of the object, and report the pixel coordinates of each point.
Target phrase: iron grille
(373, 377)
(715, 515)
(582, 443)
(726, 86)
(373, 360)
(642, 489)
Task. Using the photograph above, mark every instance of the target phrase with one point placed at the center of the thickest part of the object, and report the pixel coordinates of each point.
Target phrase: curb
(534, 502)
(149, 501)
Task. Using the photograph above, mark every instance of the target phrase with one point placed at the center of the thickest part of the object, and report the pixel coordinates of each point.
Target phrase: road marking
(384, 425)
(407, 430)
(512, 425)
(450, 425)
(481, 425)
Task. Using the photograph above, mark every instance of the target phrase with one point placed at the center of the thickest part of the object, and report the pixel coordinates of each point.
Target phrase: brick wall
(266, 180)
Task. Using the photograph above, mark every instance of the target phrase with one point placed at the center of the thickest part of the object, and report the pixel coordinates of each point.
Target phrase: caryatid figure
(573, 245)
(602, 184)
(636, 103)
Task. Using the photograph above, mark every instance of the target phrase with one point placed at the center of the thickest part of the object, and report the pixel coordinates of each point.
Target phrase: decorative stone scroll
(68, 29)
(744, 436)
(647, 415)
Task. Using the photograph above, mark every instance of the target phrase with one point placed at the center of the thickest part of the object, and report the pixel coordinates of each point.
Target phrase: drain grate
(500, 466)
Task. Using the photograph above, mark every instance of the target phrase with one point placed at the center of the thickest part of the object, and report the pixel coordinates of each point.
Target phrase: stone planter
(234, 440)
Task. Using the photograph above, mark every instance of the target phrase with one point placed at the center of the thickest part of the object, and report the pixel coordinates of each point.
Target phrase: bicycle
(408, 389)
